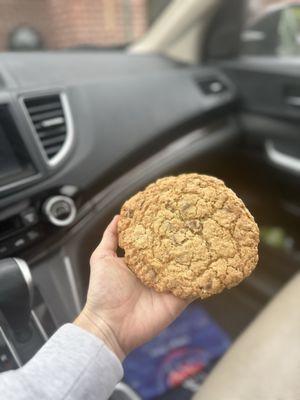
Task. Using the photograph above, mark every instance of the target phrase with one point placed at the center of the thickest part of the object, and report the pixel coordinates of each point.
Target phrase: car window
(272, 28)
(53, 24)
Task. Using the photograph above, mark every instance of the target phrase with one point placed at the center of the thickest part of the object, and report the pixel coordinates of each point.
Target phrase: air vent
(51, 124)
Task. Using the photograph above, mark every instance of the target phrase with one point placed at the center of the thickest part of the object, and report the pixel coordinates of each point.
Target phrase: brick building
(70, 23)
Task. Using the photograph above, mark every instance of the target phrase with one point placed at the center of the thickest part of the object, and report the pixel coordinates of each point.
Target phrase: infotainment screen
(15, 163)
(9, 164)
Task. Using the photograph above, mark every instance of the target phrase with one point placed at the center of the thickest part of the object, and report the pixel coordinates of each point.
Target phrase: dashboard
(72, 123)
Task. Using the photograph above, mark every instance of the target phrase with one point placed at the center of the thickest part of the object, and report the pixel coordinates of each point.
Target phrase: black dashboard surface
(121, 104)
(28, 70)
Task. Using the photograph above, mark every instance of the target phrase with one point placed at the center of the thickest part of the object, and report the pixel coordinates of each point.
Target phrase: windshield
(30, 25)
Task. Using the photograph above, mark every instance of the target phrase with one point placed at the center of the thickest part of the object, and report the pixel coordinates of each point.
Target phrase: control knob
(60, 210)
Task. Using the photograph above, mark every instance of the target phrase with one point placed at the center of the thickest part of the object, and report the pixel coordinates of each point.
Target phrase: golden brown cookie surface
(189, 235)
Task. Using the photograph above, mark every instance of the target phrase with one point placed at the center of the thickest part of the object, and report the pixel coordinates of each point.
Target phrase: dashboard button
(60, 210)
(4, 249)
(33, 235)
(29, 217)
(19, 242)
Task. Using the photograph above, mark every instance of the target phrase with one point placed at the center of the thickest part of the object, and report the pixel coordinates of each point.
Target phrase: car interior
(81, 130)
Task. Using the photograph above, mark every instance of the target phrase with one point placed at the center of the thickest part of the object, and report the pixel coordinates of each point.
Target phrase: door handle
(280, 159)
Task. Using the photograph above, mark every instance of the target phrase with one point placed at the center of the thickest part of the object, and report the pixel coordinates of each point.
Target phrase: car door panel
(269, 91)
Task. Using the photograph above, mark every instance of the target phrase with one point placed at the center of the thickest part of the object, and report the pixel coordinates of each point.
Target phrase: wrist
(99, 328)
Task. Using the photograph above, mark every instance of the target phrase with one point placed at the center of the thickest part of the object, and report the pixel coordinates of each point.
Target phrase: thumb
(109, 241)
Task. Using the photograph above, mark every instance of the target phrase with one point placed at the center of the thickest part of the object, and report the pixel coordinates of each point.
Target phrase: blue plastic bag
(186, 348)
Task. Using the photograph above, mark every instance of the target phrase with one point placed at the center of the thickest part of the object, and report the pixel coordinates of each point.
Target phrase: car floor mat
(188, 347)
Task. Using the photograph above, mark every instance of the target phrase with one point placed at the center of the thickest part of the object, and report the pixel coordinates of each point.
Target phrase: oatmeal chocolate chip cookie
(189, 235)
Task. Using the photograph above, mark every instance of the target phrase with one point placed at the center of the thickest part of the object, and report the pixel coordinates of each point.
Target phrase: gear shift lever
(16, 292)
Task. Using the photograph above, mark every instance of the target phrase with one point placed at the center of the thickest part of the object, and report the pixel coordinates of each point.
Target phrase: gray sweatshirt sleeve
(72, 365)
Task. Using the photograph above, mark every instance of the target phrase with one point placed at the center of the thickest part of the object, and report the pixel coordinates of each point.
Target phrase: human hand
(119, 309)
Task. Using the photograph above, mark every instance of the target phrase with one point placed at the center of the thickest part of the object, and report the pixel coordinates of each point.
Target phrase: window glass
(62, 24)
(272, 28)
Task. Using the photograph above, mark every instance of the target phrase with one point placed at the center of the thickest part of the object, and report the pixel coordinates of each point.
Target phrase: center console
(26, 223)
(21, 330)
(36, 136)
